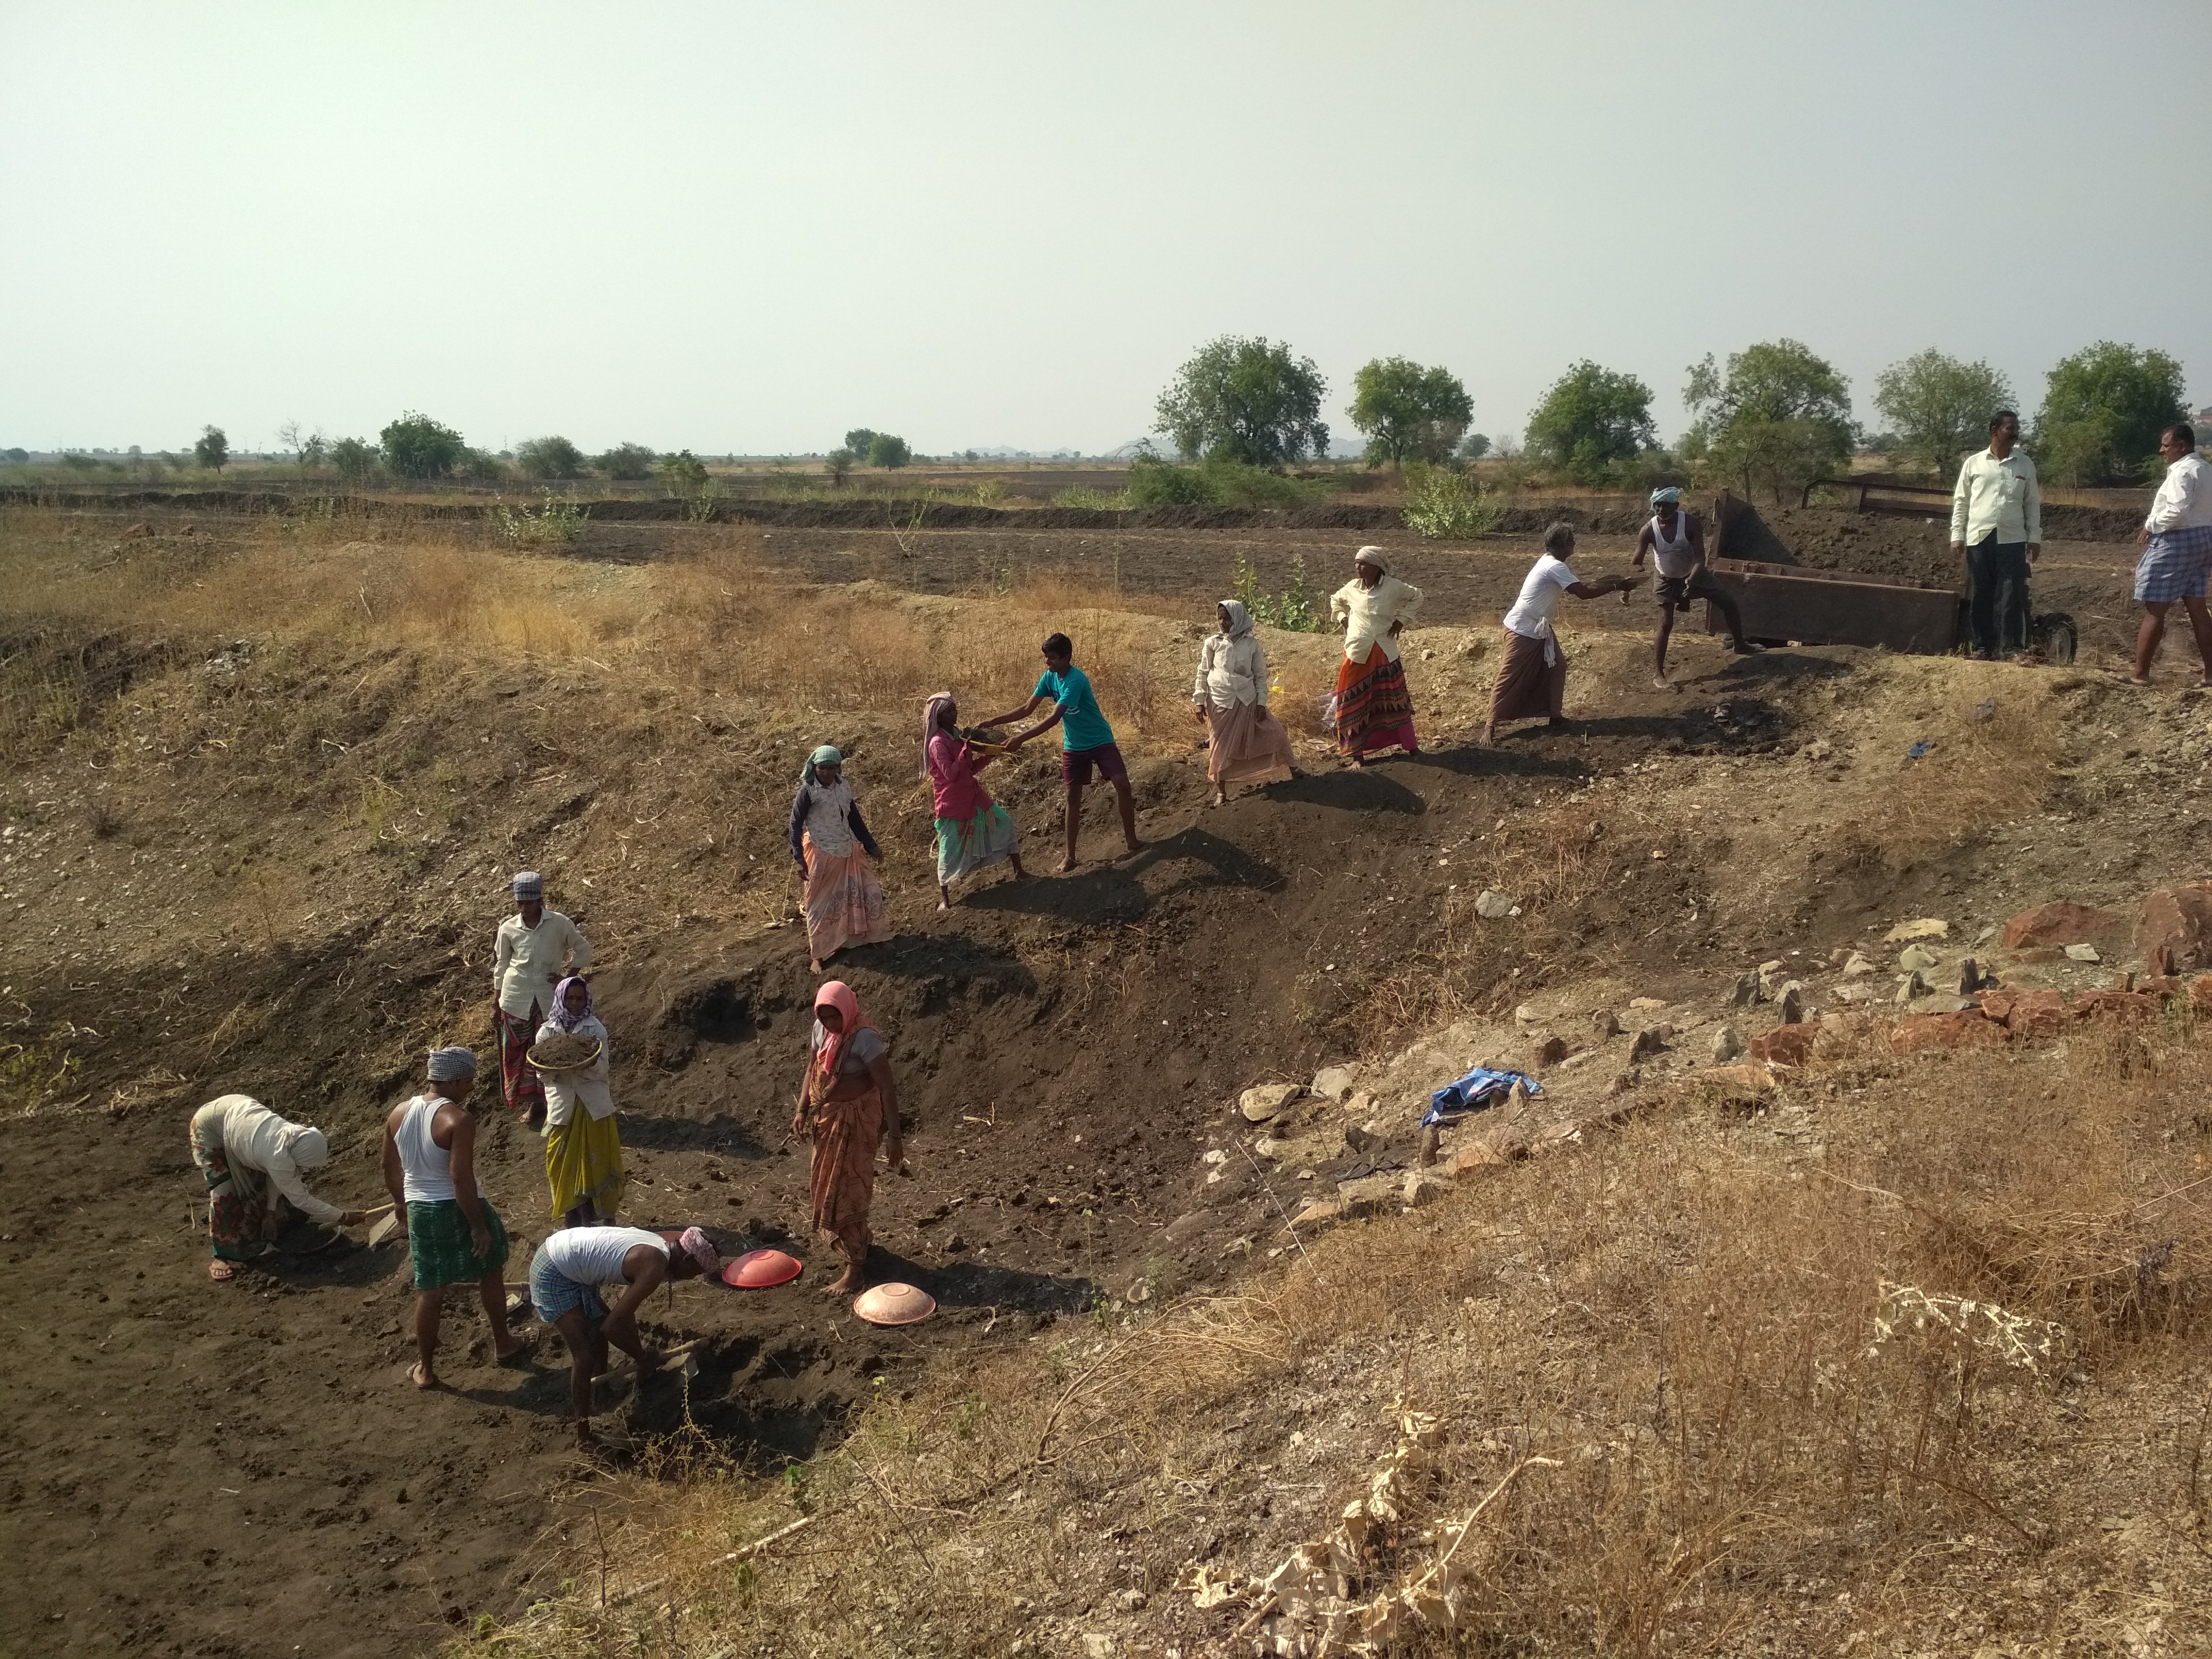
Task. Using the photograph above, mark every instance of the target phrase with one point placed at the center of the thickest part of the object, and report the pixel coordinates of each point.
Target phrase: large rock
(1728, 1044)
(1335, 1083)
(1493, 905)
(2061, 922)
(1318, 1214)
(1923, 927)
(2129, 1007)
(1422, 1187)
(1473, 1156)
(2027, 1013)
(1785, 1045)
(1968, 1029)
(2173, 932)
(1266, 1101)
(1368, 1193)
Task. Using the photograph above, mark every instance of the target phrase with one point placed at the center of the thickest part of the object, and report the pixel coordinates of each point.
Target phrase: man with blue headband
(1676, 542)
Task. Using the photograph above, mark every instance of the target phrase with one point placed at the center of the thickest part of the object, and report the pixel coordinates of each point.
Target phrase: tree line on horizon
(1776, 414)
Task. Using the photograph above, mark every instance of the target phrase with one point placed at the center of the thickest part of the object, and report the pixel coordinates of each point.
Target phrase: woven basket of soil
(564, 1051)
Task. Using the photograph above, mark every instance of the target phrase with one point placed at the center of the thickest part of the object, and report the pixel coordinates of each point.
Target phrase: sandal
(220, 1270)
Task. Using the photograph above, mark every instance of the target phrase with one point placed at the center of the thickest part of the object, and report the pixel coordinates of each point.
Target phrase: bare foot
(1064, 866)
(219, 1270)
(1490, 734)
(1138, 846)
(1218, 800)
(1660, 683)
(515, 1344)
(585, 1440)
(422, 1376)
(942, 905)
(812, 966)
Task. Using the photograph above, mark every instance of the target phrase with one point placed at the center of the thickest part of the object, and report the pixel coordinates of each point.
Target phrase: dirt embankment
(273, 864)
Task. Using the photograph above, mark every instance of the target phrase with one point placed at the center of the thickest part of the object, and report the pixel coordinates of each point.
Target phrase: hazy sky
(747, 227)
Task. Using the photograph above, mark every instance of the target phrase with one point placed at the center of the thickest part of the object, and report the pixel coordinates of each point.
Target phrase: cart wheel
(2056, 635)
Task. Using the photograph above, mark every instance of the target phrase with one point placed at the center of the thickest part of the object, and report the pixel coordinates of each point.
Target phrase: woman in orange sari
(847, 1105)
(1371, 709)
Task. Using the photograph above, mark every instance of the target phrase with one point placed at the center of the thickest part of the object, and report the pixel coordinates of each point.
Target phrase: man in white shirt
(1532, 679)
(535, 949)
(2177, 543)
(1996, 530)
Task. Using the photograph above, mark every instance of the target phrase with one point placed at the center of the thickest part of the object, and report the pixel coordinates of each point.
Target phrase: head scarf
(694, 1243)
(836, 993)
(1240, 619)
(1669, 496)
(827, 754)
(307, 1147)
(1370, 556)
(529, 885)
(451, 1065)
(561, 1019)
(930, 712)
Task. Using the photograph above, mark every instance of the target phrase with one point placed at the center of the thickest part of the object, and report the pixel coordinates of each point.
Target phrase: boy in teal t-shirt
(1086, 740)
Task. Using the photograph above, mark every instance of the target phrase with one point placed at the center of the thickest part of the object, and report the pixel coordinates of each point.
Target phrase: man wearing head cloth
(454, 1234)
(535, 949)
(1676, 542)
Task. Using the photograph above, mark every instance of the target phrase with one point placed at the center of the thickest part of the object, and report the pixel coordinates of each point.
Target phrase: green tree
(549, 458)
(1591, 418)
(2103, 410)
(1245, 400)
(481, 466)
(840, 465)
(1940, 406)
(1473, 446)
(888, 452)
(1779, 414)
(628, 462)
(861, 440)
(213, 449)
(683, 474)
(417, 446)
(354, 459)
(1409, 413)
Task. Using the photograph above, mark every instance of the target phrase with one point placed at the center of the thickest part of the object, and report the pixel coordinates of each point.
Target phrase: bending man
(565, 1277)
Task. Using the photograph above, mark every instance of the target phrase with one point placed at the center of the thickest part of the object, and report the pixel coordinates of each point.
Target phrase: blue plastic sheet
(1478, 1092)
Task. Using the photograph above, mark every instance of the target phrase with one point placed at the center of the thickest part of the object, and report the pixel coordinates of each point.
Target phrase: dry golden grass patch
(1680, 1313)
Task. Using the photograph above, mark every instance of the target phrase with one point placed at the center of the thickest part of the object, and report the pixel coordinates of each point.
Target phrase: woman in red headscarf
(847, 1104)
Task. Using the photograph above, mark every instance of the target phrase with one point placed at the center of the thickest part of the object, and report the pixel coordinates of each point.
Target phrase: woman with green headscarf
(836, 855)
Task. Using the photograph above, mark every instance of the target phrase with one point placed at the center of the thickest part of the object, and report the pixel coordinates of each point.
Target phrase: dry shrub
(1996, 740)
(1681, 1319)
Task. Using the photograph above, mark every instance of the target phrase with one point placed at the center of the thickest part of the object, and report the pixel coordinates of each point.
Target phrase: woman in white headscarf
(1246, 744)
(583, 1146)
(251, 1159)
(842, 901)
(1371, 709)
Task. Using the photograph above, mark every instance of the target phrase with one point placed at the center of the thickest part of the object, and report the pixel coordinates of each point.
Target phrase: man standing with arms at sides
(536, 949)
(1676, 541)
(1996, 530)
(454, 1234)
(2177, 543)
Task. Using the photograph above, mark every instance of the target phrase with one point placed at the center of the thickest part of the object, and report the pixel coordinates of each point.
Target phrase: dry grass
(1678, 1313)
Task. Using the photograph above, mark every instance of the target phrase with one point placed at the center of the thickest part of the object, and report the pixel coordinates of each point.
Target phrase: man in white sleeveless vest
(454, 1234)
(1676, 541)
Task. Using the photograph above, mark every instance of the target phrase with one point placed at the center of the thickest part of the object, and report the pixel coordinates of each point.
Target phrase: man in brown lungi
(1532, 679)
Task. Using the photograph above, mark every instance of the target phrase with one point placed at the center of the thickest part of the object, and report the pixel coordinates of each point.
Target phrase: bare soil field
(263, 783)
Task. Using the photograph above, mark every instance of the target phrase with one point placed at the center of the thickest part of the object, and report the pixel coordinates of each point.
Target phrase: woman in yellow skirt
(583, 1147)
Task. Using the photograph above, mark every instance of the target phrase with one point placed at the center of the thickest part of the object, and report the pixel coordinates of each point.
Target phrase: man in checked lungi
(535, 949)
(2177, 543)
